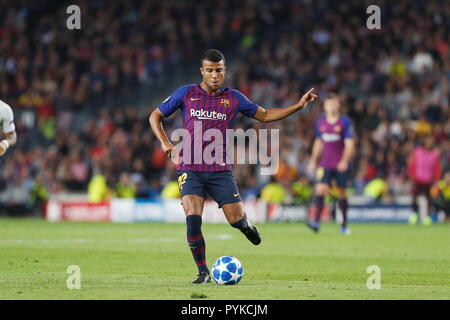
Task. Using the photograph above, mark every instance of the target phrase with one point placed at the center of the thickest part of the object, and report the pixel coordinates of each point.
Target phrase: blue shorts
(219, 185)
(324, 175)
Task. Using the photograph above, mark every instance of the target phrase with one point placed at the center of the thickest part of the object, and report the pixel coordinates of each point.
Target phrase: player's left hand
(342, 166)
(307, 97)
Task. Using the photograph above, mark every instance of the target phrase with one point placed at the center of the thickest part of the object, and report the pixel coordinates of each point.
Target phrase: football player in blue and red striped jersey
(334, 145)
(205, 106)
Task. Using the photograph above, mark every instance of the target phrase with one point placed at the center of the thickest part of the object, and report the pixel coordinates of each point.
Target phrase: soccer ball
(227, 270)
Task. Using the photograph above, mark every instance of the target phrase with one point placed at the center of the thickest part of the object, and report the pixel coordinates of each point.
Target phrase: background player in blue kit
(212, 106)
(334, 144)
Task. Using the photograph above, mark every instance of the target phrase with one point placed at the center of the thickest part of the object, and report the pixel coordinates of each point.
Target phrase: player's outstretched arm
(10, 140)
(275, 114)
(155, 120)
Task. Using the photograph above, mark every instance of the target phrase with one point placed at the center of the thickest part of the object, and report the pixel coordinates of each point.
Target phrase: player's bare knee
(342, 193)
(192, 209)
(321, 190)
(192, 205)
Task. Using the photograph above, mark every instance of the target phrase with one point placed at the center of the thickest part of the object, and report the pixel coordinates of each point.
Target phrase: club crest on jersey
(225, 102)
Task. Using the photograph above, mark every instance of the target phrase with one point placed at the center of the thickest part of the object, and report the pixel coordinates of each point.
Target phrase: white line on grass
(87, 241)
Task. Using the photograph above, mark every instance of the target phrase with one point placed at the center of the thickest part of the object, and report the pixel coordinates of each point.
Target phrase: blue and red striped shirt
(333, 136)
(201, 112)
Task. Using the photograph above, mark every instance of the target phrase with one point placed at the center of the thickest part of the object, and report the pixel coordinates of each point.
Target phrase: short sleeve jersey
(206, 118)
(333, 136)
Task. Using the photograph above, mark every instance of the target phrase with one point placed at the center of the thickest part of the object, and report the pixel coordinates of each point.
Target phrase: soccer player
(334, 143)
(8, 127)
(213, 106)
(424, 169)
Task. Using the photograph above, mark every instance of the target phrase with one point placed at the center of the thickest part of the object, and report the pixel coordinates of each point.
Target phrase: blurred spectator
(250, 191)
(82, 99)
(376, 189)
(125, 188)
(441, 195)
(98, 190)
(38, 196)
(273, 192)
(171, 190)
(302, 191)
(152, 191)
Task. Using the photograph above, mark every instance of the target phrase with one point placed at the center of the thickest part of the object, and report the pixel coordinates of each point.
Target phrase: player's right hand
(310, 169)
(168, 148)
(342, 166)
(310, 96)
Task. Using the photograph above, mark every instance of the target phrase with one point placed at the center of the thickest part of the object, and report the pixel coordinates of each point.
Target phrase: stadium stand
(82, 98)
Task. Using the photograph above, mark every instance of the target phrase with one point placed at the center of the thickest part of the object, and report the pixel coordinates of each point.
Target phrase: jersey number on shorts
(319, 173)
(182, 180)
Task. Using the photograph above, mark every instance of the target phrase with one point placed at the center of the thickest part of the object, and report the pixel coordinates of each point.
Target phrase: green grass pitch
(152, 261)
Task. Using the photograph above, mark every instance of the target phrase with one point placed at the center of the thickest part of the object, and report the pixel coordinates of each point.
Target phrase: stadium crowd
(393, 83)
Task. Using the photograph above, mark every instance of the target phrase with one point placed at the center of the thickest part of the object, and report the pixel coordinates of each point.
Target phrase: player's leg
(343, 206)
(234, 212)
(193, 200)
(426, 191)
(334, 200)
(222, 187)
(333, 208)
(341, 181)
(414, 217)
(321, 190)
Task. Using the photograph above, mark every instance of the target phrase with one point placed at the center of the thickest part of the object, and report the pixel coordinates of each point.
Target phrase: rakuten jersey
(206, 117)
(333, 136)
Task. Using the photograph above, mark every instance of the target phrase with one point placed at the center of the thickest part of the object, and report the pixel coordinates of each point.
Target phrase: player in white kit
(8, 127)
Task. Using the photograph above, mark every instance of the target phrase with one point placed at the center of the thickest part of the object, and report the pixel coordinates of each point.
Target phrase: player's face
(331, 106)
(429, 142)
(213, 74)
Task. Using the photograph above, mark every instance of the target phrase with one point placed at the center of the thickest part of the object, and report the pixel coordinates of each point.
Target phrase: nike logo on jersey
(235, 194)
(195, 99)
